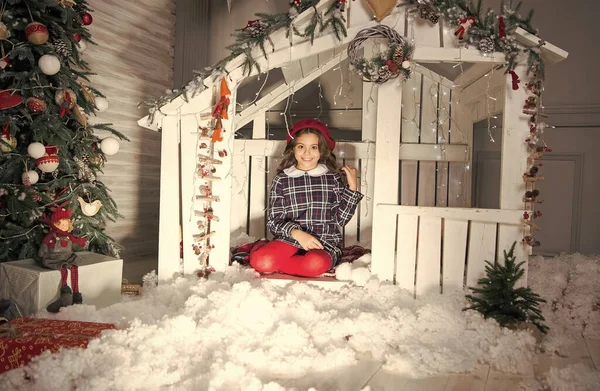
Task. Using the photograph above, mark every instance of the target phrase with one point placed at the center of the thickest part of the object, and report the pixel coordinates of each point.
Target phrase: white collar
(294, 172)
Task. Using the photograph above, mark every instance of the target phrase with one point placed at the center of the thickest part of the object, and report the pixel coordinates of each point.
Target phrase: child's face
(307, 152)
(63, 225)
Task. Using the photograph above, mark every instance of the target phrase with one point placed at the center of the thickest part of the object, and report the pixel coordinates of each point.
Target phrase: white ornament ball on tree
(101, 104)
(110, 146)
(49, 64)
(82, 46)
(30, 177)
(406, 64)
(36, 150)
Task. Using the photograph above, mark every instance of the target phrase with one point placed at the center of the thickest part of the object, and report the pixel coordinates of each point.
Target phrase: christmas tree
(49, 154)
(498, 298)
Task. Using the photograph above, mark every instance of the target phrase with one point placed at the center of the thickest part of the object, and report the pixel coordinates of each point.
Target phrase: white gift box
(33, 287)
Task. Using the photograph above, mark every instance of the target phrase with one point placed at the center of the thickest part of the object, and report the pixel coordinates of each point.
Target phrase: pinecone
(384, 74)
(62, 47)
(398, 56)
(486, 45)
(258, 30)
(426, 12)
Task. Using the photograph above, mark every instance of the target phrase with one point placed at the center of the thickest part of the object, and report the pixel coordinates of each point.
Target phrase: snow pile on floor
(570, 284)
(576, 377)
(235, 331)
(357, 271)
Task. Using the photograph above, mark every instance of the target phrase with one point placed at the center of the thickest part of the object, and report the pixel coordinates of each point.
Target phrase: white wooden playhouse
(414, 167)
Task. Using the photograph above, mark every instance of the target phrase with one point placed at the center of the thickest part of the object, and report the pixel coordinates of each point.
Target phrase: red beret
(312, 124)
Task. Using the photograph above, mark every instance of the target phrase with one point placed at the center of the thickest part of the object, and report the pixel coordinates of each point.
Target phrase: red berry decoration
(77, 37)
(35, 105)
(526, 215)
(87, 19)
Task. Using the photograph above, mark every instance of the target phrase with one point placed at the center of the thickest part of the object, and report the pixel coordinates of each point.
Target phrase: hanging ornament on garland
(393, 63)
(66, 3)
(109, 146)
(9, 100)
(80, 116)
(8, 139)
(86, 19)
(82, 46)
(89, 209)
(4, 32)
(49, 162)
(464, 26)
(49, 64)
(486, 45)
(5, 62)
(30, 178)
(501, 28)
(101, 103)
(65, 99)
(77, 37)
(36, 150)
(35, 105)
(36, 33)
(381, 8)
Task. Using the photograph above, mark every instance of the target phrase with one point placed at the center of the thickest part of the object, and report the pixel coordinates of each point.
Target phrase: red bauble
(36, 33)
(35, 105)
(77, 37)
(87, 19)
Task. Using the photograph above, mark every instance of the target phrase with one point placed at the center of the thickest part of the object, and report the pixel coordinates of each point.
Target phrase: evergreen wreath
(498, 298)
(390, 64)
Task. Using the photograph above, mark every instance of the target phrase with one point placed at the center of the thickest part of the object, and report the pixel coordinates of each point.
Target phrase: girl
(308, 205)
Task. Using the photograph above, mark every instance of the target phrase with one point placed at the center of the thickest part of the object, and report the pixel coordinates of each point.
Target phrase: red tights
(277, 256)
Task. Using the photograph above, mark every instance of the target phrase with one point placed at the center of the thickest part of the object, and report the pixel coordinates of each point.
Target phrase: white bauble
(81, 46)
(30, 177)
(101, 103)
(405, 64)
(110, 146)
(36, 150)
(49, 64)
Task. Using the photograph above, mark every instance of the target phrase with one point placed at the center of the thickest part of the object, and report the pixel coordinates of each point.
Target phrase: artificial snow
(357, 271)
(235, 331)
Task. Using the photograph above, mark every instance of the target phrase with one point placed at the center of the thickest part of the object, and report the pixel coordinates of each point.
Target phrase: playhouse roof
(326, 51)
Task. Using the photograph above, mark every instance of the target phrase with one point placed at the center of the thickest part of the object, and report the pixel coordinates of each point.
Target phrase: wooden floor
(368, 375)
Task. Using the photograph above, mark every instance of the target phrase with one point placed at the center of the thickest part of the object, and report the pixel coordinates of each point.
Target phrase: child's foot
(77, 298)
(65, 299)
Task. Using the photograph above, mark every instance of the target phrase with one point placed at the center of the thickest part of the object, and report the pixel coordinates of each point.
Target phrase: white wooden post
(367, 173)
(387, 156)
(258, 195)
(515, 129)
(169, 228)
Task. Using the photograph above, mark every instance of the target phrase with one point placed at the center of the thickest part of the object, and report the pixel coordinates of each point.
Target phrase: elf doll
(56, 253)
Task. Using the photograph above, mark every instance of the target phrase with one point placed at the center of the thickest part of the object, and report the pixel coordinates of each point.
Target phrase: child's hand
(307, 241)
(351, 177)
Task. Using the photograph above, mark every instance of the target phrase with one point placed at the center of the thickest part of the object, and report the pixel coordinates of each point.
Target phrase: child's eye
(314, 147)
(299, 146)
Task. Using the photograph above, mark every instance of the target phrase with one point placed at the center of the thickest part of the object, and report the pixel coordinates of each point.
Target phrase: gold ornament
(88, 94)
(67, 3)
(4, 33)
(12, 143)
(80, 116)
(382, 8)
(89, 209)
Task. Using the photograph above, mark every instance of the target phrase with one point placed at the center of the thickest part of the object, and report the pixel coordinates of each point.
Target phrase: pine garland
(499, 28)
(498, 298)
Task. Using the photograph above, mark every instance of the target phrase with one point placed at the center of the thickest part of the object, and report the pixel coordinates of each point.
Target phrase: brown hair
(327, 155)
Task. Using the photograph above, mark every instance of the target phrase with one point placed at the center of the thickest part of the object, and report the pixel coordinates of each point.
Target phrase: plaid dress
(316, 202)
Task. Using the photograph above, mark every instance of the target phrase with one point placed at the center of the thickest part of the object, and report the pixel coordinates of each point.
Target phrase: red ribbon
(501, 28)
(515, 80)
(5, 131)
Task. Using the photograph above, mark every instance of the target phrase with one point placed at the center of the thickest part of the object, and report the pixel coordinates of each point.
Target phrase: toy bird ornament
(89, 209)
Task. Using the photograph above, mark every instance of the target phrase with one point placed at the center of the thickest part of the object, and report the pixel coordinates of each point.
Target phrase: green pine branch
(496, 296)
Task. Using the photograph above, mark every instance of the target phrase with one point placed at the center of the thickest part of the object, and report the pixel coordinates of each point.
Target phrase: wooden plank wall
(133, 60)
